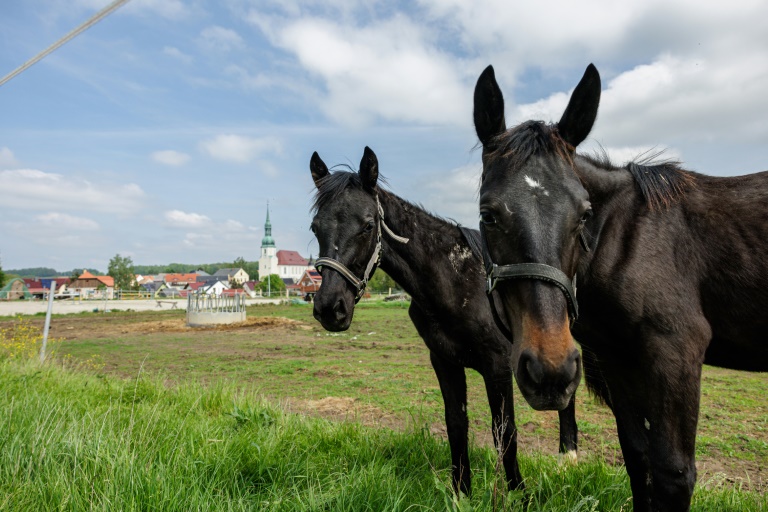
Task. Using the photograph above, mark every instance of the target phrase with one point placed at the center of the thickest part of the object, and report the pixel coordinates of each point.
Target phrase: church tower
(268, 260)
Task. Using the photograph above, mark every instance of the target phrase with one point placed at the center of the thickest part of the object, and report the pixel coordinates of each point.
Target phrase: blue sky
(162, 132)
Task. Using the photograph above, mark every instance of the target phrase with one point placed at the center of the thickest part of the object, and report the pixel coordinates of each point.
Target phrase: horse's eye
(369, 226)
(313, 229)
(487, 218)
(586, 215)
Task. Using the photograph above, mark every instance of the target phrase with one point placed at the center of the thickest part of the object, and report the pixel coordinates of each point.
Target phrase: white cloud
(6, 158)
(170, 157)
(174, 52)
(66, 222)
(452, 194)
(230, 236)
(178, 218)
(222, 39)
(390, 70)
(240, 149)
(31, 189)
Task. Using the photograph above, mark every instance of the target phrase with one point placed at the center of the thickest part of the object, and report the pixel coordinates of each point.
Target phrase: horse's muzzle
(545, 387)
(335, 315)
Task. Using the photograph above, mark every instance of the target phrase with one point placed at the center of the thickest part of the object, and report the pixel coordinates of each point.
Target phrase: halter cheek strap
(339, 267)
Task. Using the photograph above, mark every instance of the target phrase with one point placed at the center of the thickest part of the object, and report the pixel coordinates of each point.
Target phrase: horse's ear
(369, 169)
(581, 112)
(489, 107)
(318, 168)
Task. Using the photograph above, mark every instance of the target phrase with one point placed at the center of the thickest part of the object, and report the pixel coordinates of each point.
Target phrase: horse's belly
(751, 357)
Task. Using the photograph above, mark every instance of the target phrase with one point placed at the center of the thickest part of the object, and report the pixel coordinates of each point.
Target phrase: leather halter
(538, 271)
(347, 274)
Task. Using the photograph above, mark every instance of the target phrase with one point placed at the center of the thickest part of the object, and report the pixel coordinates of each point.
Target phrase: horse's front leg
(453, 386)
(656, 407)
(569, 432)
(498, 386)
(671, 427)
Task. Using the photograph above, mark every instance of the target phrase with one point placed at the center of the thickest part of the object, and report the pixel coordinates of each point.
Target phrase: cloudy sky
(162, 132)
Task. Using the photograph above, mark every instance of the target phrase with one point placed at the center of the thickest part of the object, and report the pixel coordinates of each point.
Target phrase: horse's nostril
(340, 309)
(574, 365)
(532, 367)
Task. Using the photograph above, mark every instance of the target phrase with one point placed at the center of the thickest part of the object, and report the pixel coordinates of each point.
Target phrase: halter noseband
(339, 267)
(538, 271)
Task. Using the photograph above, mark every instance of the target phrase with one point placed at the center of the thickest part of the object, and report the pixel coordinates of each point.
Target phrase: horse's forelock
(527, 139)
(331, 186)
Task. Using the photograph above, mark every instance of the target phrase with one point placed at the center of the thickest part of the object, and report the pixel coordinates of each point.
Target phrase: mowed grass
(383, 367)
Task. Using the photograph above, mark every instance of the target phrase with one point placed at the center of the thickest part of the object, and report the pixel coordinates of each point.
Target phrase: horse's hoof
(569, 457)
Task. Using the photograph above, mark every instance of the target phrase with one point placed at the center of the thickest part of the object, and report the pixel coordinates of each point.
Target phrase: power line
(82, 28)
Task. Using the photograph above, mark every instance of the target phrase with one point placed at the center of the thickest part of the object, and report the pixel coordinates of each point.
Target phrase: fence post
(51, 293)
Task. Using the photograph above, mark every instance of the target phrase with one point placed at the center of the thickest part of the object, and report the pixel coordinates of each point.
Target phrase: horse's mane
(661, 182)
(333, 185)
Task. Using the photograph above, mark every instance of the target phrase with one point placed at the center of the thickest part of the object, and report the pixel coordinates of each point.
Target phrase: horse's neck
(414, 265)
(603, 184)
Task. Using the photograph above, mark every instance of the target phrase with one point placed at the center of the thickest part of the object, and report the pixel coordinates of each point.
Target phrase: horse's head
(347, 224)
(533, 209)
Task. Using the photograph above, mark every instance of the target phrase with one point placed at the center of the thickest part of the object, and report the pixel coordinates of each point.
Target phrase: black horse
(671, 268)
(438, 267)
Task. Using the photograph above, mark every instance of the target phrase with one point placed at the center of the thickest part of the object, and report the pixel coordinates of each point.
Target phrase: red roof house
(292, 258)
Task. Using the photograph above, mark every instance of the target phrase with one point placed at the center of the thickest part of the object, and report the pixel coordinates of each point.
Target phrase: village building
(38, 286)
(291, 265)
(179, 281)
(89, 286)
(213, 287)
(309, 283)
(233, 275)
(15, 289)
(288, 265)
(251, 288)
(268, 259)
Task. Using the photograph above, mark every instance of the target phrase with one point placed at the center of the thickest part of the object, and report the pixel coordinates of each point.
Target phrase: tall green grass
(74, 441)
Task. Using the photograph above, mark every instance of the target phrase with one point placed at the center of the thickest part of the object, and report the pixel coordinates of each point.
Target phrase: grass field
(376, 374)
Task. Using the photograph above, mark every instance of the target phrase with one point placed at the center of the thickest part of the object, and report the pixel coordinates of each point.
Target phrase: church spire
(267, 241)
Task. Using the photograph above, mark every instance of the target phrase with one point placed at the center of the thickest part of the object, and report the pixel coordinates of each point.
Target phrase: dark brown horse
(671, 269)
(360, 225)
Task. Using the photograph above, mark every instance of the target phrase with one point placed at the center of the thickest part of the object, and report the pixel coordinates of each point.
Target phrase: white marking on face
(647, 424)
(535, 184)
(531, 182)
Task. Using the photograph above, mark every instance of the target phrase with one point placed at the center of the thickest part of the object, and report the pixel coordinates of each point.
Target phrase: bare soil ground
(309, 371)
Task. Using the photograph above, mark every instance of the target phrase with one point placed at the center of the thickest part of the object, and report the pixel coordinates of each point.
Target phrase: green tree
(2, 275)
(381, 282)
(121, 269)
(276, 285)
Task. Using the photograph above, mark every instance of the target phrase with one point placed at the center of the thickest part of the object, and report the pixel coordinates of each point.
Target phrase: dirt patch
(74, 328)
(345, 409)
(179, 325)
